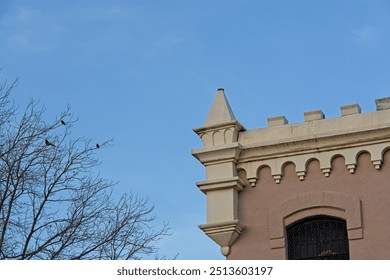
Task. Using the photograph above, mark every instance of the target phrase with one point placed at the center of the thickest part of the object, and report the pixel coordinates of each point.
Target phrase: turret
(219, 155)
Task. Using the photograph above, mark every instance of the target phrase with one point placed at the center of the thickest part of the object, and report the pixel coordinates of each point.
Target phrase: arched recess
(358, 154)
(335, 156)
(218, 138)
(288, 162)
(314, 204)
(263, 166)
(309, 161)
(384, 151)
(241, 172)
(257, 177)
(386, 157)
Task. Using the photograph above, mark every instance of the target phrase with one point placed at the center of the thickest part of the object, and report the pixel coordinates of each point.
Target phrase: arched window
(318, 238)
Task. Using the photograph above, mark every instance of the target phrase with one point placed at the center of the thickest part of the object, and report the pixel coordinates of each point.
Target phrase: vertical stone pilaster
(221, 150)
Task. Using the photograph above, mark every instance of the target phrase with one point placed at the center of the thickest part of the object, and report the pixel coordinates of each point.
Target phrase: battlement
(346, 110)
(316, 126)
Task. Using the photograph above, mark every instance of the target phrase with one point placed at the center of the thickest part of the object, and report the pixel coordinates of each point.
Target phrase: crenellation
(350, 109)
(346, 110)
(277, 121)
(314, 115)
(382, 104)
(336, 128)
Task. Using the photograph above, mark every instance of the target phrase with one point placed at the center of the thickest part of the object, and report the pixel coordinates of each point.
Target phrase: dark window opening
(318, 238)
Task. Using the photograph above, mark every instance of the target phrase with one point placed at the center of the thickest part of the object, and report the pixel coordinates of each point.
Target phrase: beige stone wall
(370, 186)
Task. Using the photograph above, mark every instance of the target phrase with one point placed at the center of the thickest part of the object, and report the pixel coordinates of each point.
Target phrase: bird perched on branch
(97, 146)
(62, 122)
(48, 143)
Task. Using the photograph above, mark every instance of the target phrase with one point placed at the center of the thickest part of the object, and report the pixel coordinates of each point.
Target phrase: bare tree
(53, 205)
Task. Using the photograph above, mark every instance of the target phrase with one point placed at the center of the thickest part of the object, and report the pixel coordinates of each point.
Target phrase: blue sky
(146, 72)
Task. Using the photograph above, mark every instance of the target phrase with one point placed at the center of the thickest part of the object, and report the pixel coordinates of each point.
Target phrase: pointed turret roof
(220, 112)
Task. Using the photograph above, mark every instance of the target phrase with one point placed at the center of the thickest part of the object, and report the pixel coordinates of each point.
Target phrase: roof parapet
(350, 109)
(346, 110)
(382, 104)
(276, 121)
(314, 115)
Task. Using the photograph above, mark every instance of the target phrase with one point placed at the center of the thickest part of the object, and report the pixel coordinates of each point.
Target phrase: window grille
(318, 238)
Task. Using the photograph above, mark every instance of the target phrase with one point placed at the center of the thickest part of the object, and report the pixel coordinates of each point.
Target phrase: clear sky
(146, 72)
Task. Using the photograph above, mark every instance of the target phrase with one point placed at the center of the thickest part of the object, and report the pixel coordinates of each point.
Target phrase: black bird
(62, 122)
(48, 143)
(97, 146)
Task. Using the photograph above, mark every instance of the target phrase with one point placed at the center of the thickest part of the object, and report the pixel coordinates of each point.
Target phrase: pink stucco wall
(370, 186)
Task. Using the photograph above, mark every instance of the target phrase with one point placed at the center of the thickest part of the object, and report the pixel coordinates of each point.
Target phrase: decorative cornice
(221, 134)
(289, 147)
(224, 233)
(204, 129)
(236, 183)
(218, 154)
(321, 139)
(325, 158)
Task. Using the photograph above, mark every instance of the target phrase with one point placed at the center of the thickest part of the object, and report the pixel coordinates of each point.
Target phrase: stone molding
(309, 204)
(227, 183)
(325, 158)
(224, 233)
(221, 134)
(219, 154)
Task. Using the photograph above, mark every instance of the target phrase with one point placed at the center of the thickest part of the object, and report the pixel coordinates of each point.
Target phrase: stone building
(319, 189)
